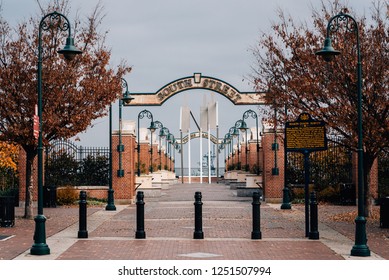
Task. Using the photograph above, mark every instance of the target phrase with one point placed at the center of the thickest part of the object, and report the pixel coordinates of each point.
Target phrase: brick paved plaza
(169, 226)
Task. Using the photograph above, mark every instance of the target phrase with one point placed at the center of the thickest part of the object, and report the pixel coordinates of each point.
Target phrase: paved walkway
(169, 226)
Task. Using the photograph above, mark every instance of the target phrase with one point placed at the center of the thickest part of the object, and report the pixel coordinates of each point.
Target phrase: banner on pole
(185, 119)
(212, 114)
(204, 118)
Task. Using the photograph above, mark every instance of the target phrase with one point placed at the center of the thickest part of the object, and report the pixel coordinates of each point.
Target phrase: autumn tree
(287, 67)
(8, 166)
(74, 93)
(8, 156)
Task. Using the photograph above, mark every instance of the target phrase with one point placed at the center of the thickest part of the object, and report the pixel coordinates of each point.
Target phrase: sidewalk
(169, 226)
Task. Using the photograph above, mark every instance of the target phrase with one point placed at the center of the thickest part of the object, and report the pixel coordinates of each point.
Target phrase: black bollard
(198, 232)
(256, 233)
(140, 216)
(314, 233)
(82, 232)
(286, 199)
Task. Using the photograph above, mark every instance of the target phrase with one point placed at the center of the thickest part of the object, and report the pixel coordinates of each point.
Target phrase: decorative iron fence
(70, 165)
(328, 169)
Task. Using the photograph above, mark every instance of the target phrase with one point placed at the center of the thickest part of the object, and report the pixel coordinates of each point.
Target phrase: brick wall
(373, 179)
(273, 183)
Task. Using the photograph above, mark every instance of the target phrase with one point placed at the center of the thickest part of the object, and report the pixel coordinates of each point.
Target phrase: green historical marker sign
(305, 135)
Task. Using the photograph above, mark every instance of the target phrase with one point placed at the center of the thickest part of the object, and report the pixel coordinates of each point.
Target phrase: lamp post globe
(69, 51)
(328, 52)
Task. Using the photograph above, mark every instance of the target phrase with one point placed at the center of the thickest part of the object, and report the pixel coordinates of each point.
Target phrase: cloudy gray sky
(170, 39)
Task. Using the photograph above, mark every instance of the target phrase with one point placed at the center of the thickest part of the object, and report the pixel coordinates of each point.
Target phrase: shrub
(94, 171)
(67, 196)
(329, 194)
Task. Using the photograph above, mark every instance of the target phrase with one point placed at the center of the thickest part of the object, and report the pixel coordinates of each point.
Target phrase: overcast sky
(170, 39)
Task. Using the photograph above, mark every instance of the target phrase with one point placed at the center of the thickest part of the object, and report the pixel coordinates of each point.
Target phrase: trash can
(384, 212)
(7, 211)
(50, 196)
(46, 196)
(347, 194)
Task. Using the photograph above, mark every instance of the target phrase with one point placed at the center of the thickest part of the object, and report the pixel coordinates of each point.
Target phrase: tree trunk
(28, 209)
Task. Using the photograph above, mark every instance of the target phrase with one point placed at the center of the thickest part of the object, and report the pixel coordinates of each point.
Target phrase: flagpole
(217, 143)
(182, 151)
(217, 153)
(209, 153)
(189, 159)
(201, 159)
(182, 159)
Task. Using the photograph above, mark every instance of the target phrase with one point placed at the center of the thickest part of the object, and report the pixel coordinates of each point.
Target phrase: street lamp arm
(349, 23)
(55, 21)
(238, 123)
(158, 124)
(124, 84)
(146, 113)
(340, 20)
(249, 113)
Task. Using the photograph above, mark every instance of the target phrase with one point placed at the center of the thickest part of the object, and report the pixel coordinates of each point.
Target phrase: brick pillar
(144, 158)
(273, 184)
(252, 155)
(163, 158)
(124, 187)
(373, 179)
(243, 156)
(155, 162)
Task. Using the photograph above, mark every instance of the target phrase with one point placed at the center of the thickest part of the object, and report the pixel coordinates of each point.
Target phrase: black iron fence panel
(328, 169)
(67, 164)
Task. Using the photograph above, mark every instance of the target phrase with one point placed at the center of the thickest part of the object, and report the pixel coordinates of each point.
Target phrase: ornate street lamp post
(226, 141)
(234, 132)
(141, 115)
(163, 133)
(124, 101)
(243, 128)
(152, 129)
(360, 247)
(171, 141)
(48, 22)
(239, 125)
(158, 124)
(246, 115)
(110, 200)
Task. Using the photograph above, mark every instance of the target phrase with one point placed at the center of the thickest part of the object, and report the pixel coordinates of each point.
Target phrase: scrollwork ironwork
(158, 124)
(250, 113)
(342, 20)
(124, 84)
(55, 20)
(146, 113)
